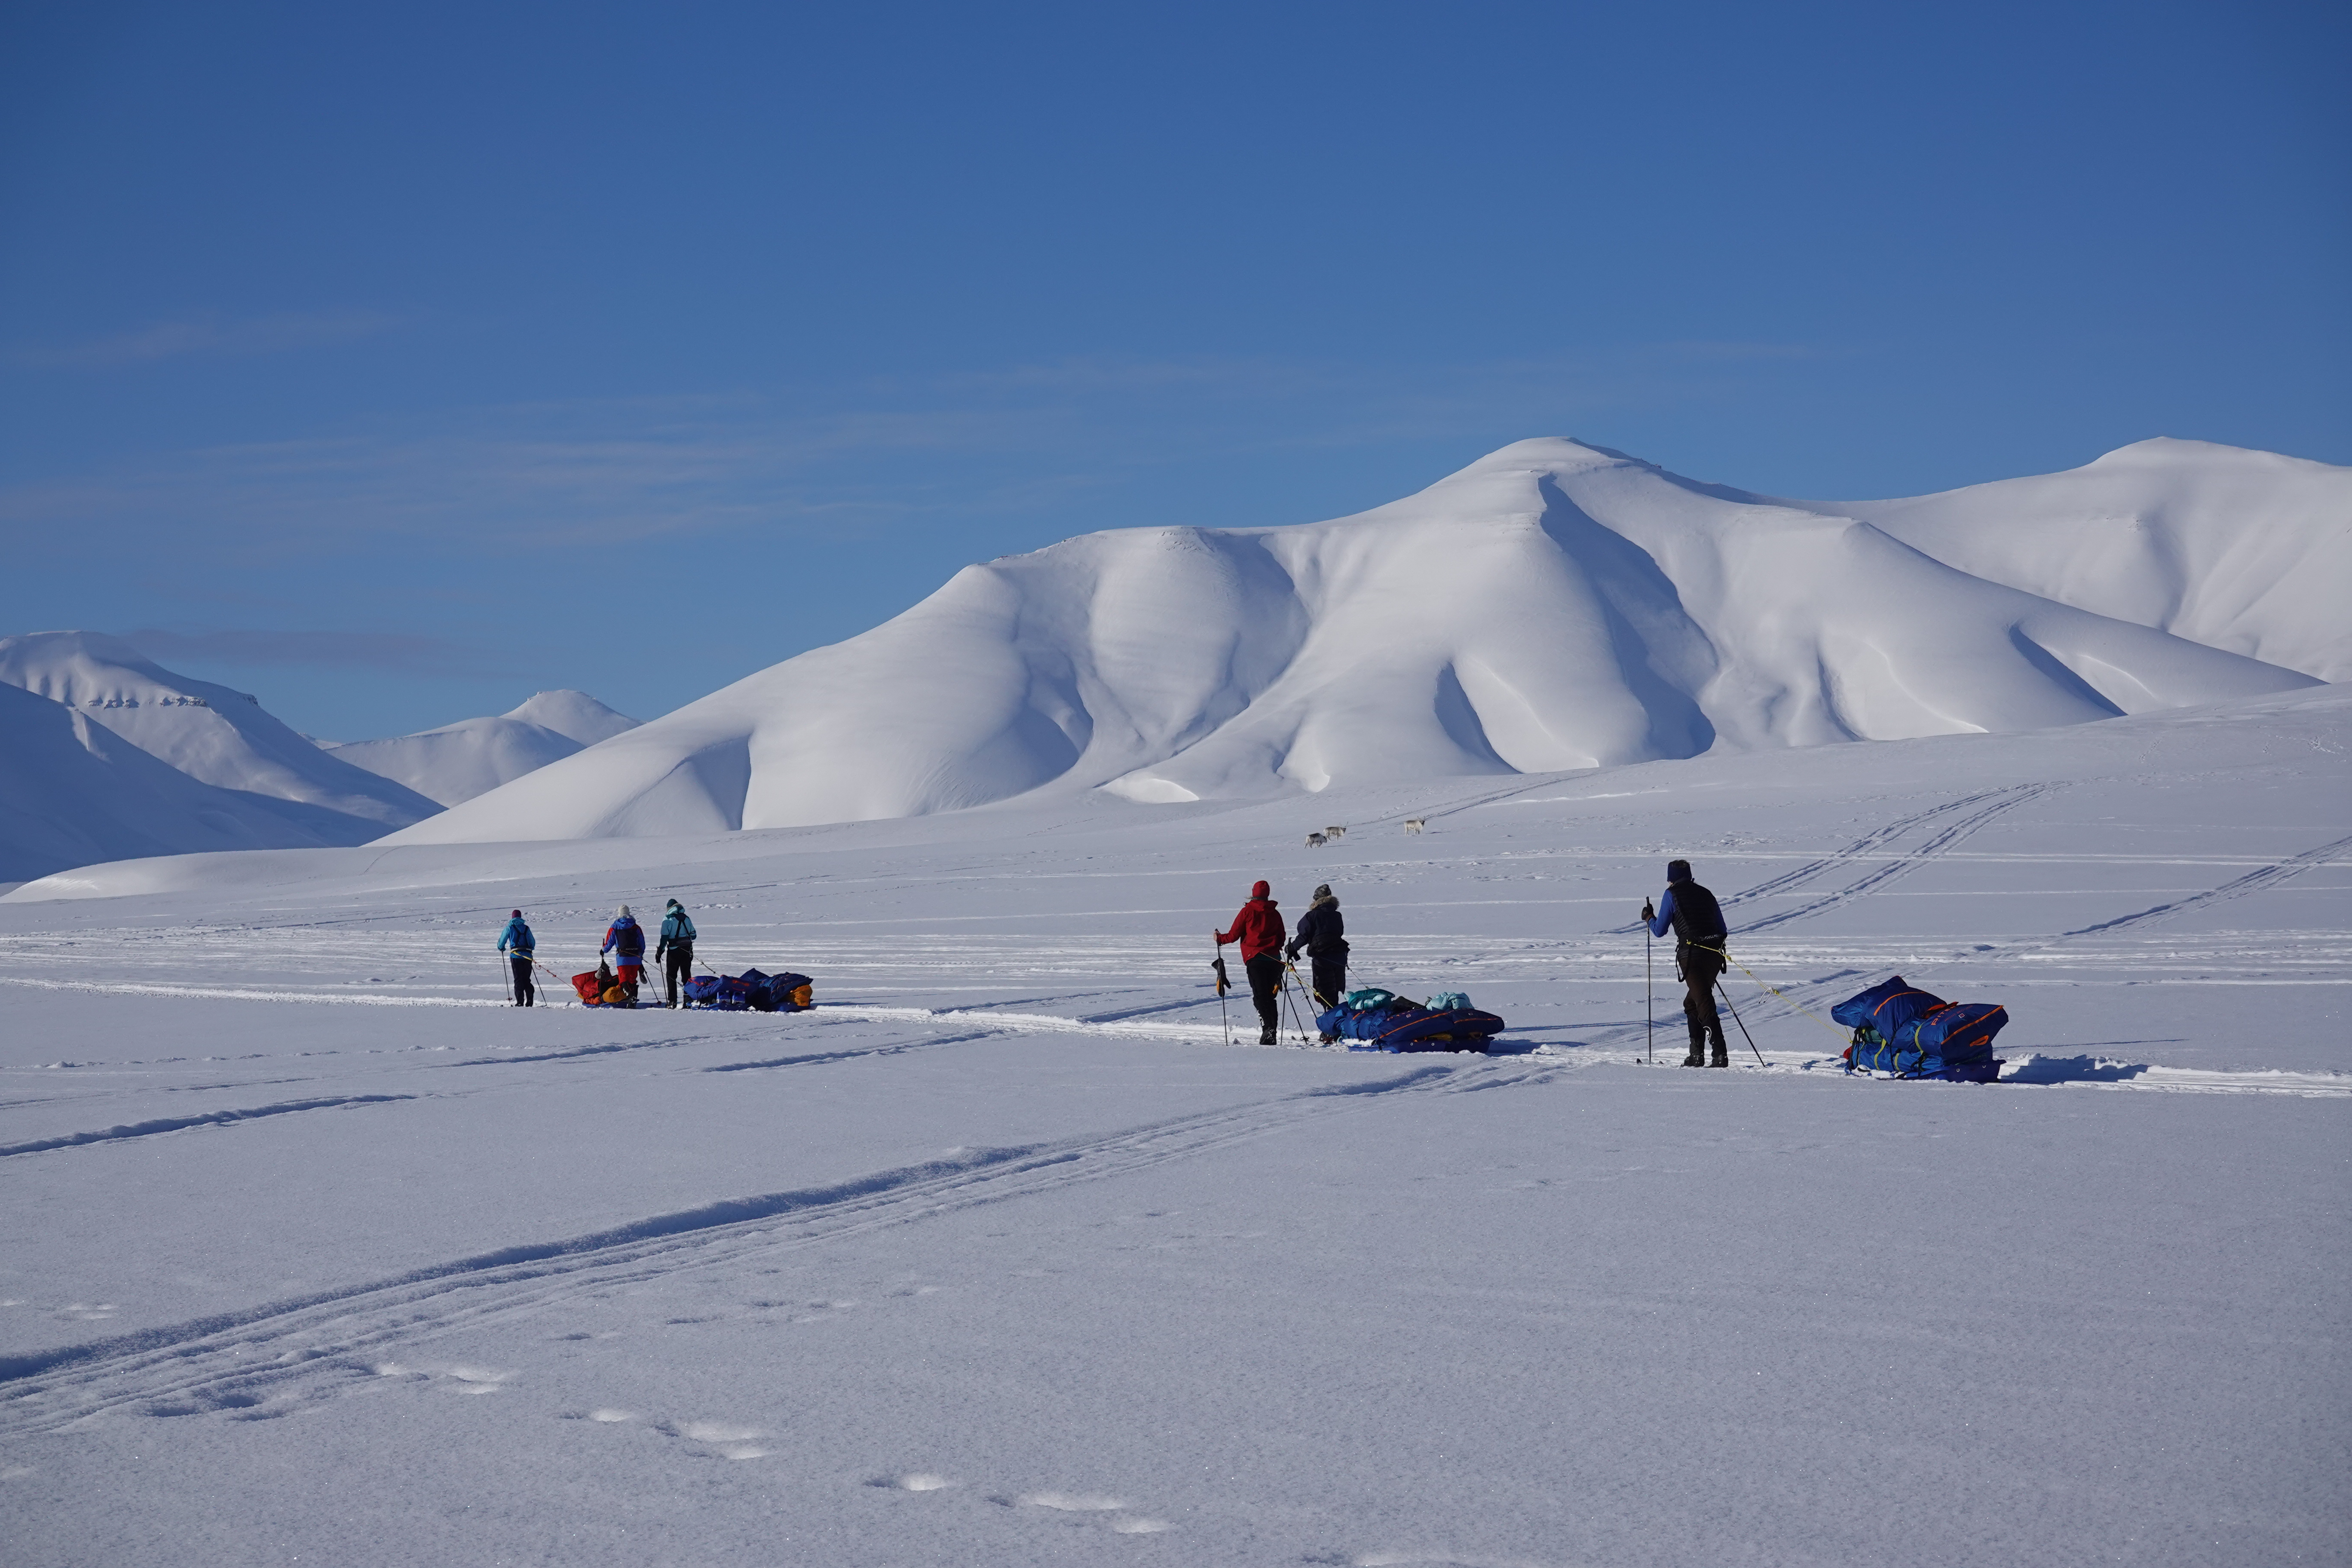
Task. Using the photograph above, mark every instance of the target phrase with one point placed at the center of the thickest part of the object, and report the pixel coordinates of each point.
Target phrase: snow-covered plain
(458, 761)
(314, 1249)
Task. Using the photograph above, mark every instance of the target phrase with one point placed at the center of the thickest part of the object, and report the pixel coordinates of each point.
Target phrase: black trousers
(1331, 982)
(677, 968)
(524, 989)
(1700, 970)
(1264, 973)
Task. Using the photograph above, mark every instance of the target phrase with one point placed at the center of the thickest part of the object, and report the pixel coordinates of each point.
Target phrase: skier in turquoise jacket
(674, 951)
(517, 943)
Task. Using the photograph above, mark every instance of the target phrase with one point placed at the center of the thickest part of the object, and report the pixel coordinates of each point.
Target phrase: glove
(1647, 912)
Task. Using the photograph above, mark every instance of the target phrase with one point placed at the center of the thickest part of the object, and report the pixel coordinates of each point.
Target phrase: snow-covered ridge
(1551, 606)
(458, 761)
(208, 732)
(2250, 552)
(105, 754)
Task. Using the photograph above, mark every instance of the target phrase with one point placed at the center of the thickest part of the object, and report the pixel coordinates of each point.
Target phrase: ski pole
(1218, 963)
(1737, 1019)
(511, 997)
(1289, 995)
(1649, 1005)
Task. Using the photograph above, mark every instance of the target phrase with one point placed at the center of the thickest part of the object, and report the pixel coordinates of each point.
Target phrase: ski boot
(1697, 1058)
(1722, 1051)
(1265, 1033)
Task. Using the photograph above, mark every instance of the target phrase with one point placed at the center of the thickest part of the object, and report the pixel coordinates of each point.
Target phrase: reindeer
(1415, 823)
(1335, 834)
(1316, 841)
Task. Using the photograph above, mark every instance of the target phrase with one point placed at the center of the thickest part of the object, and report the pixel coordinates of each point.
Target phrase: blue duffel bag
(1885, 1007)
(1402, 1026)
(1952, 1042)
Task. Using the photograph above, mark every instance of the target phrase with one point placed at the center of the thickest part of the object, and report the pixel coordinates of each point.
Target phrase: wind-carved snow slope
(105, 753)
(1552, 606)
(2249, 551)
(458, 761)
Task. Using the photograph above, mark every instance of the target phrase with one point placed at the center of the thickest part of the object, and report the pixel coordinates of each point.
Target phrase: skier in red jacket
(1258, 927)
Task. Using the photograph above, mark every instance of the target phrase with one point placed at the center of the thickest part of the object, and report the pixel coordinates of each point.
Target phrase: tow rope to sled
(1776, 991)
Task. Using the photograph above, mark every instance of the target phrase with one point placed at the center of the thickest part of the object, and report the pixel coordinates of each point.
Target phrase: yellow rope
(1759, 980)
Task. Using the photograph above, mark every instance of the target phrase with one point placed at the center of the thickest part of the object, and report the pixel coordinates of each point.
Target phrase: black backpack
(1698, 919)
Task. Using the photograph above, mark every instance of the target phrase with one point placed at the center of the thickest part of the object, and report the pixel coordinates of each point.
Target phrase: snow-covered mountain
(1551, 606)
(458, 761)
(91, 716)
(2250, 552)
(73, 793)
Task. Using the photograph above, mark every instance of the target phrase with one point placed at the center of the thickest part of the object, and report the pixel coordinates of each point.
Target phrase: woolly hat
(518, 914)
(1678, 871)
(1259, 890)
(622, 913)
(1322, 892)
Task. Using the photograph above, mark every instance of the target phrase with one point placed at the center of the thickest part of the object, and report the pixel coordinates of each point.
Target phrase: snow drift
(458, 761)
(1552, 606)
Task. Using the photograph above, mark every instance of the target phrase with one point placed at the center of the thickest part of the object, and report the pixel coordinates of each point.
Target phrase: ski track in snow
(236, 1361)
(1939, 843)
(2252, 882)
(202, 1119)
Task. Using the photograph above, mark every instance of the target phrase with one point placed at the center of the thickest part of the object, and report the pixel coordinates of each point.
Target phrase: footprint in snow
(84, 1312)
(913, 1481)
(1084, 1503)
(729, 1442)
(235, 1405)
(454, 1379)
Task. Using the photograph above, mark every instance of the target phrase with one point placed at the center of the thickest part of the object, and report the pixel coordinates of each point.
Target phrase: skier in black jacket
(1691, 912)
(1323, 935)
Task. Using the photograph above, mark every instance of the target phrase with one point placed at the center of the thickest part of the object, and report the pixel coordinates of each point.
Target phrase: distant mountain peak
(572, 713)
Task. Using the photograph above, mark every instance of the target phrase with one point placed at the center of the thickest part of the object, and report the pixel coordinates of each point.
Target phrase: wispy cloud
(1041, 442)
(215, 334)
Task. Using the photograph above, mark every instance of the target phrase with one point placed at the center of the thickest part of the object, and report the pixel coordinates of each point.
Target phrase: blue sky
(394, 362)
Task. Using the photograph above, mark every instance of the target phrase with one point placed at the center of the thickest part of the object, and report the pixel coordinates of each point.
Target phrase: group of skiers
(624, 944)
(1268, 949)
(1687, 909)
(1321, 935)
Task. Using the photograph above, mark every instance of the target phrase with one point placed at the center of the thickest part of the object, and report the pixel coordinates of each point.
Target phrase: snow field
(1001, 1255)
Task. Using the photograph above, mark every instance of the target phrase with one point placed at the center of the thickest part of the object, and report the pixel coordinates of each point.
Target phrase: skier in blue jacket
(517, 943)
(674, 951)
(1691, 912)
